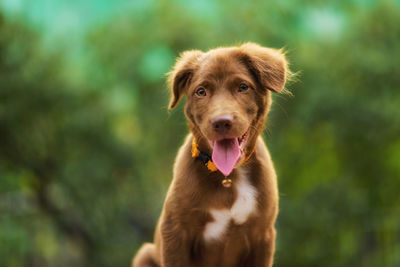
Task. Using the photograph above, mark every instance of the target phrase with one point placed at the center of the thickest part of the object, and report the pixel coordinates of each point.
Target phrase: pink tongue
(225, 154)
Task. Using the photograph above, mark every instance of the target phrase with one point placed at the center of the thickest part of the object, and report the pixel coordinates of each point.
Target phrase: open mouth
(227, 152)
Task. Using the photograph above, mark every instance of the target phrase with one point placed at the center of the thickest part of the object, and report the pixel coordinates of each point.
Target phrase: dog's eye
(201, 92)
(243, 88)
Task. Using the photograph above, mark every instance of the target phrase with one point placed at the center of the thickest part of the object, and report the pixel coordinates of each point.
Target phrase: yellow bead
(227, 182)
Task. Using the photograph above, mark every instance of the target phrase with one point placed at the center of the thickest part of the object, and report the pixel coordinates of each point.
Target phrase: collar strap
(206, 159)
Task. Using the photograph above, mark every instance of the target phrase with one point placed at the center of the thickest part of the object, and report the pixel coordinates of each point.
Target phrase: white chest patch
(216, 229)
(244, 205)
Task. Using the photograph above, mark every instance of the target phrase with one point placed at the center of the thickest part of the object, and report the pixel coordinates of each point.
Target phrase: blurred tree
(337, 170)
(64, 175)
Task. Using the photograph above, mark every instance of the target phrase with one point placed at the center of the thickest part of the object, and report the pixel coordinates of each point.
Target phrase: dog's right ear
(180, 76)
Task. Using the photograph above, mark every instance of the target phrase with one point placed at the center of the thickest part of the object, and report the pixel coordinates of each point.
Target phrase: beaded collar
(207, 161)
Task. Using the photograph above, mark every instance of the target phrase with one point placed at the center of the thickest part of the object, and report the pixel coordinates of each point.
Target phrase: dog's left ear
(268, 65)
(181, 74)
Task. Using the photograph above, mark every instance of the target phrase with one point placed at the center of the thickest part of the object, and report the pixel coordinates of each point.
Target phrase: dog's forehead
(220, 64)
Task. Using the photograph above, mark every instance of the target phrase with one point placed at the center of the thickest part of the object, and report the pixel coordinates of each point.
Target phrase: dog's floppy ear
(180, 76)
(268, 65)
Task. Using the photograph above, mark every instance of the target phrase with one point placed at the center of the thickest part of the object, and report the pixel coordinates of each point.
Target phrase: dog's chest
(244, 206)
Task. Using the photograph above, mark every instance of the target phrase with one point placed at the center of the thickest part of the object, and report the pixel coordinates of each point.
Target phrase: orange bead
(211, 166)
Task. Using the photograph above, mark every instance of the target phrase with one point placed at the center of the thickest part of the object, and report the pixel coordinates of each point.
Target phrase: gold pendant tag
(226, 182)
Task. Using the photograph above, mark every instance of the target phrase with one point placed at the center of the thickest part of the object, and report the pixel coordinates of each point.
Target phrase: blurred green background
(87, 144)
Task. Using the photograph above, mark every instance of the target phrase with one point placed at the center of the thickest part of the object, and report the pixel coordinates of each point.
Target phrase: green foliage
(87, 144)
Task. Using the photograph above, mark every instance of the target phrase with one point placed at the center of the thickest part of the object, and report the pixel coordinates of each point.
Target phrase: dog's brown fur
(180, 233)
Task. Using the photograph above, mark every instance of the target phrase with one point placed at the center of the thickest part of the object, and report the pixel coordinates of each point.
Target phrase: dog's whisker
(282, 109)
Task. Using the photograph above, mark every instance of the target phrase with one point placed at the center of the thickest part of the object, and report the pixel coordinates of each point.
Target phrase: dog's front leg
(174, 245)
(263, 252)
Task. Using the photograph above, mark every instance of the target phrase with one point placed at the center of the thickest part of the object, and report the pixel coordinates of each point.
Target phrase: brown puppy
(221, 207)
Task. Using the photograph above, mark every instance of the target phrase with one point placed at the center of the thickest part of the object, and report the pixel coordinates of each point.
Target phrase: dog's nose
(222, 124)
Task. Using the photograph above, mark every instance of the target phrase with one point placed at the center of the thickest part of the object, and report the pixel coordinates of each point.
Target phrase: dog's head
(228, 96)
